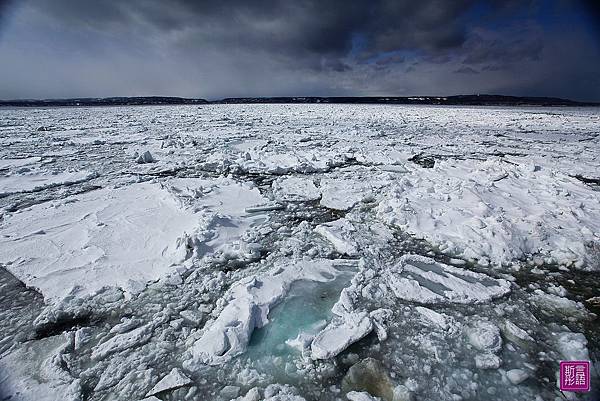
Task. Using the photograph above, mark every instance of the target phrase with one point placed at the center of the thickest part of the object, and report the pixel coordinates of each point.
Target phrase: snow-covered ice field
(298, 252)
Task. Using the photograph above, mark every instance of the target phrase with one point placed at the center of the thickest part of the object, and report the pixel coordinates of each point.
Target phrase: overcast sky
(216, 49)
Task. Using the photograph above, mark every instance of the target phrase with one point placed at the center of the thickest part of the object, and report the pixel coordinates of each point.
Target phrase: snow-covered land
(298, 252)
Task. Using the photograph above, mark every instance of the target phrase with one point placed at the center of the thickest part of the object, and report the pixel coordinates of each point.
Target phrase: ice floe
(485, 336)
(338, 233)
(421, 279)
(295, 189)
(6, 164)
(51, 381)
(123, 341)
(101, 238)
(497, 212)
(229, 209)
(31, 182)
(174, 379)
(336, 337)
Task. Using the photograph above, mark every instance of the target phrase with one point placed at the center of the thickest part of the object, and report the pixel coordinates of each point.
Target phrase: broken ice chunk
(517, 376)
(174, 379)
(145, 157)
(295, 189)
(337, 337)
(192, 317)
(339, 233)
(343, 194)
(361, 396)
(33, 182)
(515, 334)
(485, 336)
(553, 304)
(421, 279)
(263, 208)
(573, 346)
(440, 320)
(247, 306)
(121, 342)
(229, 392)
(487, 361)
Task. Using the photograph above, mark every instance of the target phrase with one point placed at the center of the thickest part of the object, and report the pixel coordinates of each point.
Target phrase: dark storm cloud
(267, 47)
(308, 28)
(514, 44)
(466, 70)
(390, 59)
(4, 7)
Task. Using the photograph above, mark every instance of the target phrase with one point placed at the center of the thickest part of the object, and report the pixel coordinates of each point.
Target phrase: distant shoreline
(459, 100)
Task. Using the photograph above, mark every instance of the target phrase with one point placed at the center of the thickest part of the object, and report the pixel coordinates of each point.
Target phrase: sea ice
(228, 209)
(174, 379)
(216, 257)
(497, 212)
(145, 157)
(101, 238)
(485, 336)
(8, 164)
(295, 189)
(338, 233)
(517, 376)
(361, 396)
(337, 336)
(247, 307)
(123, 341)
(51, 382)
(440, 320)
(36, 181)
(421, 279)
(487, 361)
(572, 346)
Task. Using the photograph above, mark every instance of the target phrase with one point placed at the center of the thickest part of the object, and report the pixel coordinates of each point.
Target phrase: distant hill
(466, 100)
(106, 101)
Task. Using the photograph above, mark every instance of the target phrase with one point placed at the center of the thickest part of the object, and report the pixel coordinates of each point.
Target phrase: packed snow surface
(298, 252)
(13, 184)
(97, 239)
(498, 212)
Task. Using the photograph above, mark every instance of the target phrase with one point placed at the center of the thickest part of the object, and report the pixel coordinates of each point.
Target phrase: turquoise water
(306, 308)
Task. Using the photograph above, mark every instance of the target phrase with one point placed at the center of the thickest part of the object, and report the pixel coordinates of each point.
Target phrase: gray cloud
(514, 44)
(53, 48)
(466, 70)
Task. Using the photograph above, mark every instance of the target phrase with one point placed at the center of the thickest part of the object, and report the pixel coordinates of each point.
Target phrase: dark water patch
(581, 286)
(19, 306)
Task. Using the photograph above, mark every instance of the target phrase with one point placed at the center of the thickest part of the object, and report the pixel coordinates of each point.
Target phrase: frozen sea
(298, 252)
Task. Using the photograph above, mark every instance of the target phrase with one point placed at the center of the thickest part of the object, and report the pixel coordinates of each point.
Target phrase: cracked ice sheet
(227, 207)
(381, 137)
(295, 189)
(101, 238)
(19, 183)
(498, 212)
(128, 236)
(421, 279)
(343, 190)
(6, 164)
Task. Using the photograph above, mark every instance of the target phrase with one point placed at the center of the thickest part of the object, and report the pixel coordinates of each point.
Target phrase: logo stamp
(575, 376)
